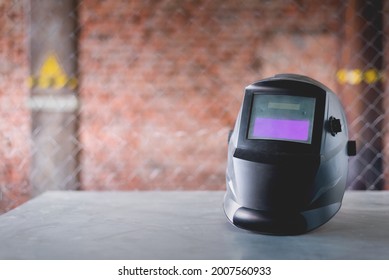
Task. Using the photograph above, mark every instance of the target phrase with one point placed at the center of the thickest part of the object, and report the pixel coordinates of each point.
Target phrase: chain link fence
(140, 95)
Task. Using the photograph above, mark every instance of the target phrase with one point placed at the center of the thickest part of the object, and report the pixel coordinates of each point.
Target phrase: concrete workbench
(180, 225)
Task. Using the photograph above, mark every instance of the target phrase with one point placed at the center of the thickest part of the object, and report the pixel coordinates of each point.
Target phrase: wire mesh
(160, 84)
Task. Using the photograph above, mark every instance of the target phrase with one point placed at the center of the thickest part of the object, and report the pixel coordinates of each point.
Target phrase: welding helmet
(287, 157)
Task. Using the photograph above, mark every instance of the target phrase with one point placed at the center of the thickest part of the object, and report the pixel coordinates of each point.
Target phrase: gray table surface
(180, 225)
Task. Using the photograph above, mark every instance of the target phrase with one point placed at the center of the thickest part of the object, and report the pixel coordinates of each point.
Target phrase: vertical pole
(361, 90)
(53, 96)
(386, 94)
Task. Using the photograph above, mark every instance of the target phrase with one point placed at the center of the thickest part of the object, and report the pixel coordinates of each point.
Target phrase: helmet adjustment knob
(335, 125)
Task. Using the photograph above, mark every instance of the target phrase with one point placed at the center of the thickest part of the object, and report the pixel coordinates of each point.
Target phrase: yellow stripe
(357, 76)
(58, 82)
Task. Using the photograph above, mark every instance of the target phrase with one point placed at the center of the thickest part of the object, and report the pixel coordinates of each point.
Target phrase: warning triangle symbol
(51, 74)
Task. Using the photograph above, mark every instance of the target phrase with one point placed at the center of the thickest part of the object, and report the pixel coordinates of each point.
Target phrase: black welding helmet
(287, 157)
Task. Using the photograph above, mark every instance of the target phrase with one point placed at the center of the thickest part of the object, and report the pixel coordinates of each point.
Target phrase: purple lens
(281, 129)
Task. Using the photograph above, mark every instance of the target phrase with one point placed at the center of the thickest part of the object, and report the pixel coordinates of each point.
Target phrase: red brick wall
(161, 84)
(14, 117)
(162, 81)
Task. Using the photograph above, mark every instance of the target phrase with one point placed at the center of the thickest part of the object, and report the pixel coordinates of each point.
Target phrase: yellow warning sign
(52, 75)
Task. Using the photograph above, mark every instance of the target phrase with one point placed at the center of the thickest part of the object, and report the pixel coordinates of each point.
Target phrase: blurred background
(141, 95)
